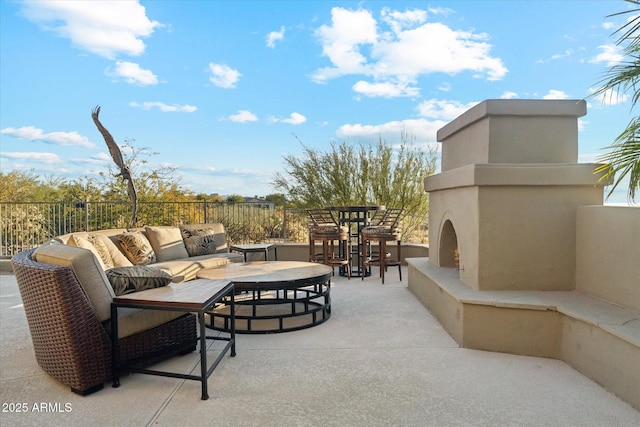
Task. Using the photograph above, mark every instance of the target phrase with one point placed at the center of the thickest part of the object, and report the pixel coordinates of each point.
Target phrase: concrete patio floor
(381, 360)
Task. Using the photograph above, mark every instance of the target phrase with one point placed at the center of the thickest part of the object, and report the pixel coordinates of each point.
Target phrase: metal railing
(27, 225)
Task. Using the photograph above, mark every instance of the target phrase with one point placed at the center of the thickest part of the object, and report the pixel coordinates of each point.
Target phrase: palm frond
(623, 159)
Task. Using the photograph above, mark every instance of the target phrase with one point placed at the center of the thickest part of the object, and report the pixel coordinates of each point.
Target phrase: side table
(196, 296)
(256, 247)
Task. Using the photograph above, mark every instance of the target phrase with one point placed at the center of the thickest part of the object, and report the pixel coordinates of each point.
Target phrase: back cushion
(84, 242)
(167, 243)
(65, 238)
(87, 270)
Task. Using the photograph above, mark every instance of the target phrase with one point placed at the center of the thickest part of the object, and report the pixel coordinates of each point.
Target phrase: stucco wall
(527, 236)
(608, 253)
(513, 131)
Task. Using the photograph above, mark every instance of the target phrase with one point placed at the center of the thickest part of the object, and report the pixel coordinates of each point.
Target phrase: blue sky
(222, 89)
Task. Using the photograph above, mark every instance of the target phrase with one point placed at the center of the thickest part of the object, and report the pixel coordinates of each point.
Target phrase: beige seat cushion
(328, 229)
(382, 231)
(167, 243)
(187, 269)
(134, 320)
(87, 270)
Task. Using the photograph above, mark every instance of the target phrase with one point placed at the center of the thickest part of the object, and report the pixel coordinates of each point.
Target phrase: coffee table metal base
(273, 311)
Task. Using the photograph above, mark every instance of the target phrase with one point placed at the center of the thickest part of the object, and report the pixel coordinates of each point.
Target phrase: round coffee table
(273, 296)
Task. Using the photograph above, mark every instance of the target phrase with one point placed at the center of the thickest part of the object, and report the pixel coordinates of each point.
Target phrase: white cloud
(441, 109)
(385, 89)
(31, 133)
(566, 53)
(340, 42)
(556, 94)
(132, 73)
(611, 54)
(275, 36)
(102, 157)
(508, 95)
(243, 116)
(48, 158)
(165, 108)
(400, 20)
(610, 97)
(582, 125)
(444, 87)
(440, 10)
(355, 46)
(97, 160)
(294, 119)
(422, 129)
(223, 76)
(106, 28)
(607, 25)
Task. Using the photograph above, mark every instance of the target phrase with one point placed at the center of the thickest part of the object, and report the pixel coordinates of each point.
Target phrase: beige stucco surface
(512, 237)
(544, 269)
(513, 131)
(608, 253)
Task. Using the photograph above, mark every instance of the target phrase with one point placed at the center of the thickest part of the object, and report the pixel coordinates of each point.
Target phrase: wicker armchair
(69, 341)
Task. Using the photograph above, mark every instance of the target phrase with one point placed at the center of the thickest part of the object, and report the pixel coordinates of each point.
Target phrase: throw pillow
(167, 243)
(199, 242)
(126, 280)
(102, 249)
(136, 248)
(118, 258)
(84, 243)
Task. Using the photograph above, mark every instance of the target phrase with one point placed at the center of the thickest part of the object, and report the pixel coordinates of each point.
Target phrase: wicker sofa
(67, 300)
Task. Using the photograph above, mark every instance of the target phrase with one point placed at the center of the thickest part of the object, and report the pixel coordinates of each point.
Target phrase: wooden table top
(194, 294)
(269, 274)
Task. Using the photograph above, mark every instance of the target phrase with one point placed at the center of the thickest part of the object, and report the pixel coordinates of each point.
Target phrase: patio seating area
(382, 359)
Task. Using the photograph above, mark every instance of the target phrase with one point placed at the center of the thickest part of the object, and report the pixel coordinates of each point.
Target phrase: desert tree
(361, 174)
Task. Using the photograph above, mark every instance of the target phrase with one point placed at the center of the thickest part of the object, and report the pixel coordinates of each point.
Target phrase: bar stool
(324, 228)
(384, 228)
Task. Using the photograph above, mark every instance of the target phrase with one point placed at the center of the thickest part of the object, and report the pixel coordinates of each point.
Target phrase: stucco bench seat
(597, 337)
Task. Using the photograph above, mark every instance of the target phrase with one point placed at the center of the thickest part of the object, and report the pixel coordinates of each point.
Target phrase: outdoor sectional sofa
(67, 287)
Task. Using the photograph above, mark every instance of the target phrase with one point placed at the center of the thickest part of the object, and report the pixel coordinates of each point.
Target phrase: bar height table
(196, 296)
(356, 218)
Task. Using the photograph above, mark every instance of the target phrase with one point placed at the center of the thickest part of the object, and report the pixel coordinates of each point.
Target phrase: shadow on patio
(381, 359)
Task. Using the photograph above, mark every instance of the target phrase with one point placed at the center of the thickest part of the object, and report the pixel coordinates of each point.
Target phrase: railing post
(284, 222)
(86, 216)
(205, 211)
